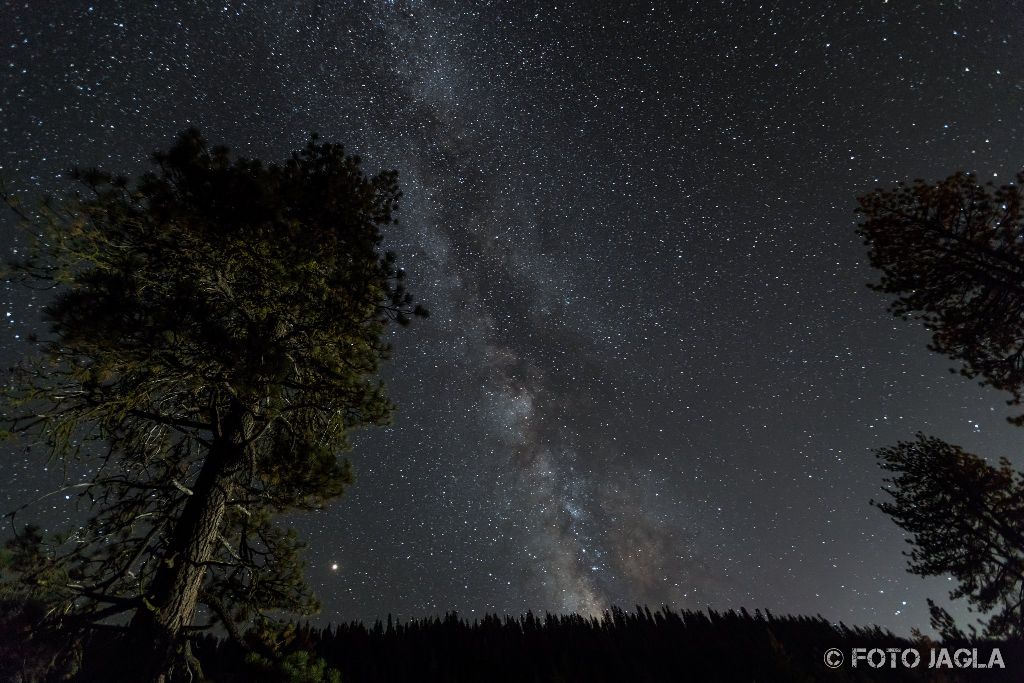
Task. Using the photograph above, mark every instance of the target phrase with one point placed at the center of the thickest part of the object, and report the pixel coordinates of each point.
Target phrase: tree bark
(157, 628)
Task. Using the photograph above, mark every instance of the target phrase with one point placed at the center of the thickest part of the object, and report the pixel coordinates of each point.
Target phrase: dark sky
(653, 372)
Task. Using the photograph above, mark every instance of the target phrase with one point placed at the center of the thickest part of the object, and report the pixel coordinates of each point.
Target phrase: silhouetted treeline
(665, 645)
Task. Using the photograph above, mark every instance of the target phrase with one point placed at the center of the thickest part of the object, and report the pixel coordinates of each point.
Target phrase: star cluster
(652, 373)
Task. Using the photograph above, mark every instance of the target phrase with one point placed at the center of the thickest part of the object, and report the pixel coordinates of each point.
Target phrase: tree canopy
(965, 518)
(952, 254)
(215, 334)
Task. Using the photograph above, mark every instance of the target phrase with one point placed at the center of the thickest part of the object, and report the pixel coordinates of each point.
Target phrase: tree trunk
(157, 628)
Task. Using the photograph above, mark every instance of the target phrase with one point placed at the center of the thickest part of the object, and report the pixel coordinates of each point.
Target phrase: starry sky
(653, 372)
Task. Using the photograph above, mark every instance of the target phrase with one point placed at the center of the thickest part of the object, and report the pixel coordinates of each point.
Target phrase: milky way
(652, 371)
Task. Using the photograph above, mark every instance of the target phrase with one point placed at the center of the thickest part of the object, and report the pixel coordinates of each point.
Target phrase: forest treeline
(644, 645)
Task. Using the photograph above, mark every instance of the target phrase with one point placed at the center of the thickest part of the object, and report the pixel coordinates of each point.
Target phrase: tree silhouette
(966, 520)
(215, 335)
(952, 253)
(645, 646)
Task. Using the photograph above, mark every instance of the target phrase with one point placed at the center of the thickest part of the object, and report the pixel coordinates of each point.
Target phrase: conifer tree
(952, 254)
(965, 518)
(215, 335)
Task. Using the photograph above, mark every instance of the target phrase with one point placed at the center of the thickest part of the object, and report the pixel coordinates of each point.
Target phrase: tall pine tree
(215, 335)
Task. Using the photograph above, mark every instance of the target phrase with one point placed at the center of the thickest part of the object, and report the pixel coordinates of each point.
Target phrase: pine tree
(215, 335)
(952, 254)
(965, 518)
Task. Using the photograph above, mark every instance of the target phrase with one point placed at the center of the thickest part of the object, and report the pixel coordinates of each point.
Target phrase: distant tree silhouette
(215, 335)
(952, 253)
(644, 646)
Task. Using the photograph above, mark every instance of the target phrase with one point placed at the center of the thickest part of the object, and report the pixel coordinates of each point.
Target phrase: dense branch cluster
(953, 253)
(965, 518)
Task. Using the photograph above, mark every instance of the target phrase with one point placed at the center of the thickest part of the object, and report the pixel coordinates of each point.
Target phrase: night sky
(653, 372)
